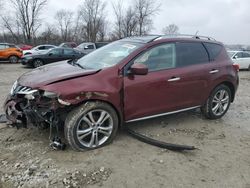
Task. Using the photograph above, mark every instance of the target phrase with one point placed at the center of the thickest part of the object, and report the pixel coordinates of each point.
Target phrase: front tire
(90, 126)
(218, 102)
(13, 59)
(37, 63)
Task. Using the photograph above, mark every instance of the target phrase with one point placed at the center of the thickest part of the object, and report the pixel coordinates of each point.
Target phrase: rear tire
(90, 126)
(218, 102)
(13, 59)
(38, 63)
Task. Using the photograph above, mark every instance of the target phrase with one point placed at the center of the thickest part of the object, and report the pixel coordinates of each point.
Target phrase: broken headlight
(50, 94)
(13, 87)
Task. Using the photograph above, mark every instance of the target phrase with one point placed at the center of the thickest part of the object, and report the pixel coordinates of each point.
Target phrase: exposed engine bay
(31, 107)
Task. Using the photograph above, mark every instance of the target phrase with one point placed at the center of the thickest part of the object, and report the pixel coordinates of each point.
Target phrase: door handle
(174, 79)
(214, 71)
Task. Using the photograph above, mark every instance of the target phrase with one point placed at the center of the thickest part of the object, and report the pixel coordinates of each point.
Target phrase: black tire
(75, 119)
(208, 110)
(249, 68)
(13, 59)
(37, 63)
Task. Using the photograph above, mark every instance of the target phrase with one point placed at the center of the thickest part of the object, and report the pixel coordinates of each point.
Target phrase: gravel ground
(221, 161)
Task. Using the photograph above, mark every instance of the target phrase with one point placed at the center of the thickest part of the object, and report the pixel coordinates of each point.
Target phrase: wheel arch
(37, 59)
(230, 86)
(118, 112)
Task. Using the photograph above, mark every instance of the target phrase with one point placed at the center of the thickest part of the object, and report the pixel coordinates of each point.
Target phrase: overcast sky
(226, 20)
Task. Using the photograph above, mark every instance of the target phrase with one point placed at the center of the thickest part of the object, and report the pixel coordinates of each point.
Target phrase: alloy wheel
(94, 128)
(220, 102)
(38, 63)
(13, 59)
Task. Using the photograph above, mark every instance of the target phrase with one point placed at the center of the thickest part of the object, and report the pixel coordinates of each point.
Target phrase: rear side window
(48, 47)
(191, 53)
(213, 50)
(245, 55)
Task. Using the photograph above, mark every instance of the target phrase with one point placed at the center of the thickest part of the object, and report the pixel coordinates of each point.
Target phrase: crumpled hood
(52, 73)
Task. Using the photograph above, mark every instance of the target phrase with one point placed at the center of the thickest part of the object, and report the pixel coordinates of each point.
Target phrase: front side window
(191, 53)
(239, 55)
(158, 58)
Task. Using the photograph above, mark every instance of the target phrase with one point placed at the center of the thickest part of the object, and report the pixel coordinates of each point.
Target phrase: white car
(39, 49)
(241, 57)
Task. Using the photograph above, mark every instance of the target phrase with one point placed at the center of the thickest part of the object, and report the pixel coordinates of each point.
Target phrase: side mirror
(50, 54)
(139, 69)
(235, 57)
(86, 47)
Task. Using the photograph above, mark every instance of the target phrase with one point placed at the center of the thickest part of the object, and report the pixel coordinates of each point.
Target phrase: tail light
(236, 67)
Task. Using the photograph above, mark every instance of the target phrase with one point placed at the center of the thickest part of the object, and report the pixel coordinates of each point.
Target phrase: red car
(128, 80)
(25, 47)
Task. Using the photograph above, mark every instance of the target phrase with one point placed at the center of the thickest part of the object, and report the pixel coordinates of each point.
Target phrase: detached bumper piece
(169, 146)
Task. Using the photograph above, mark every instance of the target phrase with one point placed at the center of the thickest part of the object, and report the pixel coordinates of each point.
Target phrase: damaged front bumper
(26, 106)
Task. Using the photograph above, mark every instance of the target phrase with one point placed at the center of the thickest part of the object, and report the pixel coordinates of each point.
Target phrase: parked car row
(51, 56)
(43, 54)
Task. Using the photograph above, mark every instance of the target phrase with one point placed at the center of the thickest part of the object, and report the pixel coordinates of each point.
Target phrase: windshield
(108, 55)
(231, 54)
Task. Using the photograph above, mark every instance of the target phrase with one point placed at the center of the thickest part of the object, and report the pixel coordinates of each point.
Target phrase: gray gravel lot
(221, 161)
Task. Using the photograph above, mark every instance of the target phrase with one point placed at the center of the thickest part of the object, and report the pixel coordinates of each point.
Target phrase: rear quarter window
(213, 49)
(191, 53)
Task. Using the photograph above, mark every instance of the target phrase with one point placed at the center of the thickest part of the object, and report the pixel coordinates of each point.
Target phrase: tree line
(88, 23)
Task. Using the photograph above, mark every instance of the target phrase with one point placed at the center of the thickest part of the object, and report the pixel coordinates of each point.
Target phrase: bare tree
(28, 12)
(171, 29)
(145, 9)
(92, 14)
(119, 16)
(64, 19)
(49, 35)
(13, 27)
(129, 23)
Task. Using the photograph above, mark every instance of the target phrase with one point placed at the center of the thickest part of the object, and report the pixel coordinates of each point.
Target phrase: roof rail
(186, 35)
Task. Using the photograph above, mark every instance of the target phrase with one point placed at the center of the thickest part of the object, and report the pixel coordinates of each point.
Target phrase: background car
(68, 45)
(241, 57)
(53, 55)
(88, 47)
(10, 52)
(24, 46)
(39, 49)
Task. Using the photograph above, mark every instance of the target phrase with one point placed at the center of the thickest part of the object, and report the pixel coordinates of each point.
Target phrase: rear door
(177, 80)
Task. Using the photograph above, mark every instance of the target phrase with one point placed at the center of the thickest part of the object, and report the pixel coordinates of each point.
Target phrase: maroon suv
(128, 80)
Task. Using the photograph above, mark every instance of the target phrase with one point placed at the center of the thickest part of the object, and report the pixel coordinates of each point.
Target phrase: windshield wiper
(74, 63)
